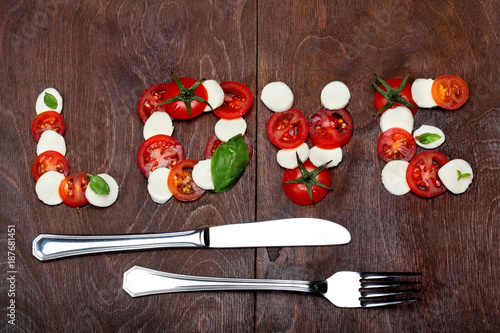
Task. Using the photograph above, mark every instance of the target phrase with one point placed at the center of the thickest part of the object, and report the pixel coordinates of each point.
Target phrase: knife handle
(47, 247)
(140, 281)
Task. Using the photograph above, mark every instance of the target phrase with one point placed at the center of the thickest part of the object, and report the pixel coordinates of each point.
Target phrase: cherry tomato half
(72, 189)
(298, 192)
(450, 92)
(180, 181)
(287, 129)
(329, 129)
(214, 142)
(178, 109)
(49, 161)
(48, 120)
(380, 101)
(159, 151)
(396, 144)
(422, 176)
(150, 98)
(237, 100)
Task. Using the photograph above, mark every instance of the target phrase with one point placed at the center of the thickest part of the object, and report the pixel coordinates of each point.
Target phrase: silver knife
(303, 231)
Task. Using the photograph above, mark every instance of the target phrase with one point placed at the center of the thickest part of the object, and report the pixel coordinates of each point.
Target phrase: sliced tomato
(214, 142)
(450, 92)
(150, 98)
(287, 129)
(329, 129)
(178, 109)
(237, 100)
(48, 120)
(49, 161)
(380, 100)
(180, 181)
(298, 192)
(157, 152)
(72, 189)
(396, 144)
(422, 176)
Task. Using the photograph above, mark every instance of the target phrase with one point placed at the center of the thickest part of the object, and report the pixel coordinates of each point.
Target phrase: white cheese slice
(215, 94)
(319, 156)
(421, 91)
(448, 174)
(335, 95)
(47, 187)
(158, 123)
(287, 158)
(225, 129)
(429, 129)
(158, 185)
(40, 105)
(400, 117)
(394, 177)
(51, 140)
(202, 174)
(103, 200)
(277, 96)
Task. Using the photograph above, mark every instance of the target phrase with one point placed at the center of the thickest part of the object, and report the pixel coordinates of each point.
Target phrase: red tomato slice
(214, 142)
(287, 129)
(48, 120)
(150, 98)
(396, 144)
(298, 192)
(159, 151)
(72, 189)
(178, 109)
(380, 101)
(329, 129)
(422, 176)
(180, 181)
(237, 100)
(49, 161)
(450, 92)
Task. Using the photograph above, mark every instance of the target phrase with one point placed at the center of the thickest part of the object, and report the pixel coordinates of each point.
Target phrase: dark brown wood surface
(101, 55)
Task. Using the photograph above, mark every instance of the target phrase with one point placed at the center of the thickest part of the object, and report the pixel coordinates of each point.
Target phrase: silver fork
(343, 289)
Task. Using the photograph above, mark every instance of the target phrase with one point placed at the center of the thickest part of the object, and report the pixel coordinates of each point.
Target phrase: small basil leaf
(462, 175)
(98, 184)
(427, 138)
(50, 101)
(228, 163)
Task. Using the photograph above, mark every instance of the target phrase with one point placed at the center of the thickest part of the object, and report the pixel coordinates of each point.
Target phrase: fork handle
(140, 281)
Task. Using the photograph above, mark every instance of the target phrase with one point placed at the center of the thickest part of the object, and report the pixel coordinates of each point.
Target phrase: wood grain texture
(101, 55)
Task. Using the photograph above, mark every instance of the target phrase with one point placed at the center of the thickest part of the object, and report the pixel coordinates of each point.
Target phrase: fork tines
(390, 287)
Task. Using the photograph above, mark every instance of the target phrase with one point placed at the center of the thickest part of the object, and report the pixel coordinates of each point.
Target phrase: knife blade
(303, 231)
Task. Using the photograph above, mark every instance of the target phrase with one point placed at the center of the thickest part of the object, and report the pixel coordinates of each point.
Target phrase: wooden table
(102, 55)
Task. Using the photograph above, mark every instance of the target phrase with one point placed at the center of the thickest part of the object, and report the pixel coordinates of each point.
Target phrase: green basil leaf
(462, 175)
(427, 138)
(98, 184)
(228, 163)
(50, 101)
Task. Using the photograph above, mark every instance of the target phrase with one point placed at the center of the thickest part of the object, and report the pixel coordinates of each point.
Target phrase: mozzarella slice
(47, 187)
(202, 175)
(319, 156)
(287, 158)
(215, 94)
(103, 200)
(277, 96)
(51, 140)
(448, 174)
(225, 129)
(421, 91)
(429, 129)
(400, 117)
(40, 101)
(158, 123)
(335, 95)
(158, 185)
(394, 177)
